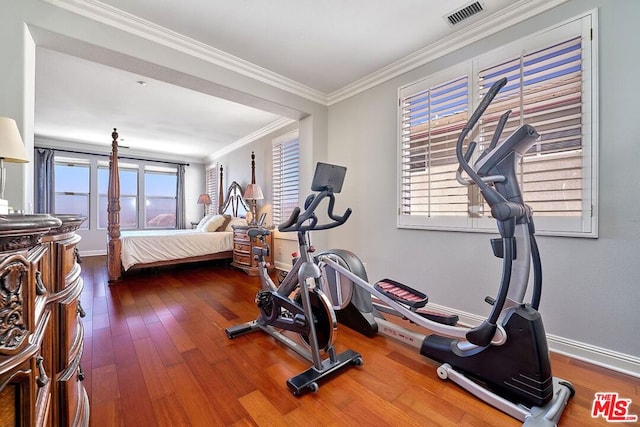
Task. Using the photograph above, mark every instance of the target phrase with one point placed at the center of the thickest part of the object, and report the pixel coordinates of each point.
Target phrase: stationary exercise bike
(505, 360)
(298, 304)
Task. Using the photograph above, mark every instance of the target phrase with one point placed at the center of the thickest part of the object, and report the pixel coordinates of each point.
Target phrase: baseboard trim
(100, 252)
(619, 362)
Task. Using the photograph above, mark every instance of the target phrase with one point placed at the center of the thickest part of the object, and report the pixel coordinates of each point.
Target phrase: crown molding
(517, 12)
(92, 148)
(108, 15)
(266, 130)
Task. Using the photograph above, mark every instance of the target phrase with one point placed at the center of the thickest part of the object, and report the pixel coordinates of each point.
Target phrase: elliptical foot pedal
(436, 316)
(308, 381)
(402, 293)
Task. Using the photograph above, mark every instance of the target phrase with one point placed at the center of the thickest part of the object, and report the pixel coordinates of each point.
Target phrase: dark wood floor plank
(169, 412)
(192, 397)
(154, 371)
(135, 400)
(105, 384)
(167, 350)
(216, 390)
(102, 348)
(177, 333)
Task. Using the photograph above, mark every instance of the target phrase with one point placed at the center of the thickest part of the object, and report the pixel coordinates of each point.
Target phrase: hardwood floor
(156, 354)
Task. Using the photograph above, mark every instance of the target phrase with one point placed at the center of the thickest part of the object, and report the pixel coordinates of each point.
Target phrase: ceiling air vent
(464, 13)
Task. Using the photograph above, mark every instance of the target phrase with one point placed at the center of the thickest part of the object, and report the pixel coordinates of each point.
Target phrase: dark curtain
(44, 181)
(180, 205)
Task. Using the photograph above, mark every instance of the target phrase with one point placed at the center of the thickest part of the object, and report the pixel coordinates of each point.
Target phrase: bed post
(220, 194)
(114, 264)
(253, 168)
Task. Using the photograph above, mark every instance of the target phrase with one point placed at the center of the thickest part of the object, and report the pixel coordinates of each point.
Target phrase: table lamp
(204, 200)
(11, 148)
(252, 193)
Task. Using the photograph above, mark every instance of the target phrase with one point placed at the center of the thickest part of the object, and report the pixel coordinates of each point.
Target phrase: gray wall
(591, 290)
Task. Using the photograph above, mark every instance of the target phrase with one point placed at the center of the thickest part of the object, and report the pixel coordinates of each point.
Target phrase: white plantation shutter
(549, 87)
(286, 176)
(431, 122)
(211, 188)
(545, 91)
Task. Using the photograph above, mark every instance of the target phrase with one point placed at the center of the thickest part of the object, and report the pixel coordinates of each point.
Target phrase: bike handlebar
(297, 220)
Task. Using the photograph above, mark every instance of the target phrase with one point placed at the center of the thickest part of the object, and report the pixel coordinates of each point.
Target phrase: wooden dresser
(41, 337)
(243, 245)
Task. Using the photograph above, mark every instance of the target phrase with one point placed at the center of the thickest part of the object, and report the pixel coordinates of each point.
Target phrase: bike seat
(256, 232)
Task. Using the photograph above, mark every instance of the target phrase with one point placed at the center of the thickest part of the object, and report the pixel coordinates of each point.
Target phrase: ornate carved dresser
(41, 336)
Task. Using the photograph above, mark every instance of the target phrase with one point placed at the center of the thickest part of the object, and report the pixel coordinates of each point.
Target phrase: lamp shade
(11, 145)
(204, 199)
(253, 192)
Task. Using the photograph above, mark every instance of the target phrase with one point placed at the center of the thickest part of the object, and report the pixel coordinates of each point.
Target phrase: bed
(212, 239)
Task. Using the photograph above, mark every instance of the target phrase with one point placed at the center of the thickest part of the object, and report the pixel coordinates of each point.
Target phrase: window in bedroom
(551, 79)
(286, 176)
(72, 185)
(128, 195)
(160, 189)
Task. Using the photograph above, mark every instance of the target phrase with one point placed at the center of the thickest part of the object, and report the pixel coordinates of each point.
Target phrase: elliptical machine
(298, 304)
(505, 360)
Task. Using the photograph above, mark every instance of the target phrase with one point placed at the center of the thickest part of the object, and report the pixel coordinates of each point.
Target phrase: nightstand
(243, 245)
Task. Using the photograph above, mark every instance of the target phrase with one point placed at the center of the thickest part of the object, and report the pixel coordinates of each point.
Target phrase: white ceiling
(323, 45)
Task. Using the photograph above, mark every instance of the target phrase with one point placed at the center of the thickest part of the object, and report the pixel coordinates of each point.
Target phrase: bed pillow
(236, 221)
(213, 223)
(225, 223)
(203, 221)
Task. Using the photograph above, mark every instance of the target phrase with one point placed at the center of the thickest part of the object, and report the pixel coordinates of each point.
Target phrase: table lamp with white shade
(11, 150)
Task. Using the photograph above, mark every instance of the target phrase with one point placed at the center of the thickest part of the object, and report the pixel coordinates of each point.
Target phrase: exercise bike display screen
(327, 177)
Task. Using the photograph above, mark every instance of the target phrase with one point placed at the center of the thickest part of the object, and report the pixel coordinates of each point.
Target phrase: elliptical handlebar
(501, 209)
(297, 220)
(463, 159)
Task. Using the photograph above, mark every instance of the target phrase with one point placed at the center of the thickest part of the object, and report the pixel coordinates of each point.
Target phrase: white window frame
(157, 170)
(587, 224)
(80, 163)
(129, 167)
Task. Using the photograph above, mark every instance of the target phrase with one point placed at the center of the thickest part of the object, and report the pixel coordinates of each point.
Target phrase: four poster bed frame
(234, 205)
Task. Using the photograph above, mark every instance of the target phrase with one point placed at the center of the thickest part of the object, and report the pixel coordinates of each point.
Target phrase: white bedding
(144, 246)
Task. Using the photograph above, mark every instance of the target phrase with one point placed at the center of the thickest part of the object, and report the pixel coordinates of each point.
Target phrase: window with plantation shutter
(211, 188)
(286, 176)
(550, 80)
(431, 122)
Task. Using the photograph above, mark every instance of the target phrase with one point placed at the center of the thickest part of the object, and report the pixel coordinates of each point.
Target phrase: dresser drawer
(241, 258)
(244, 248)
